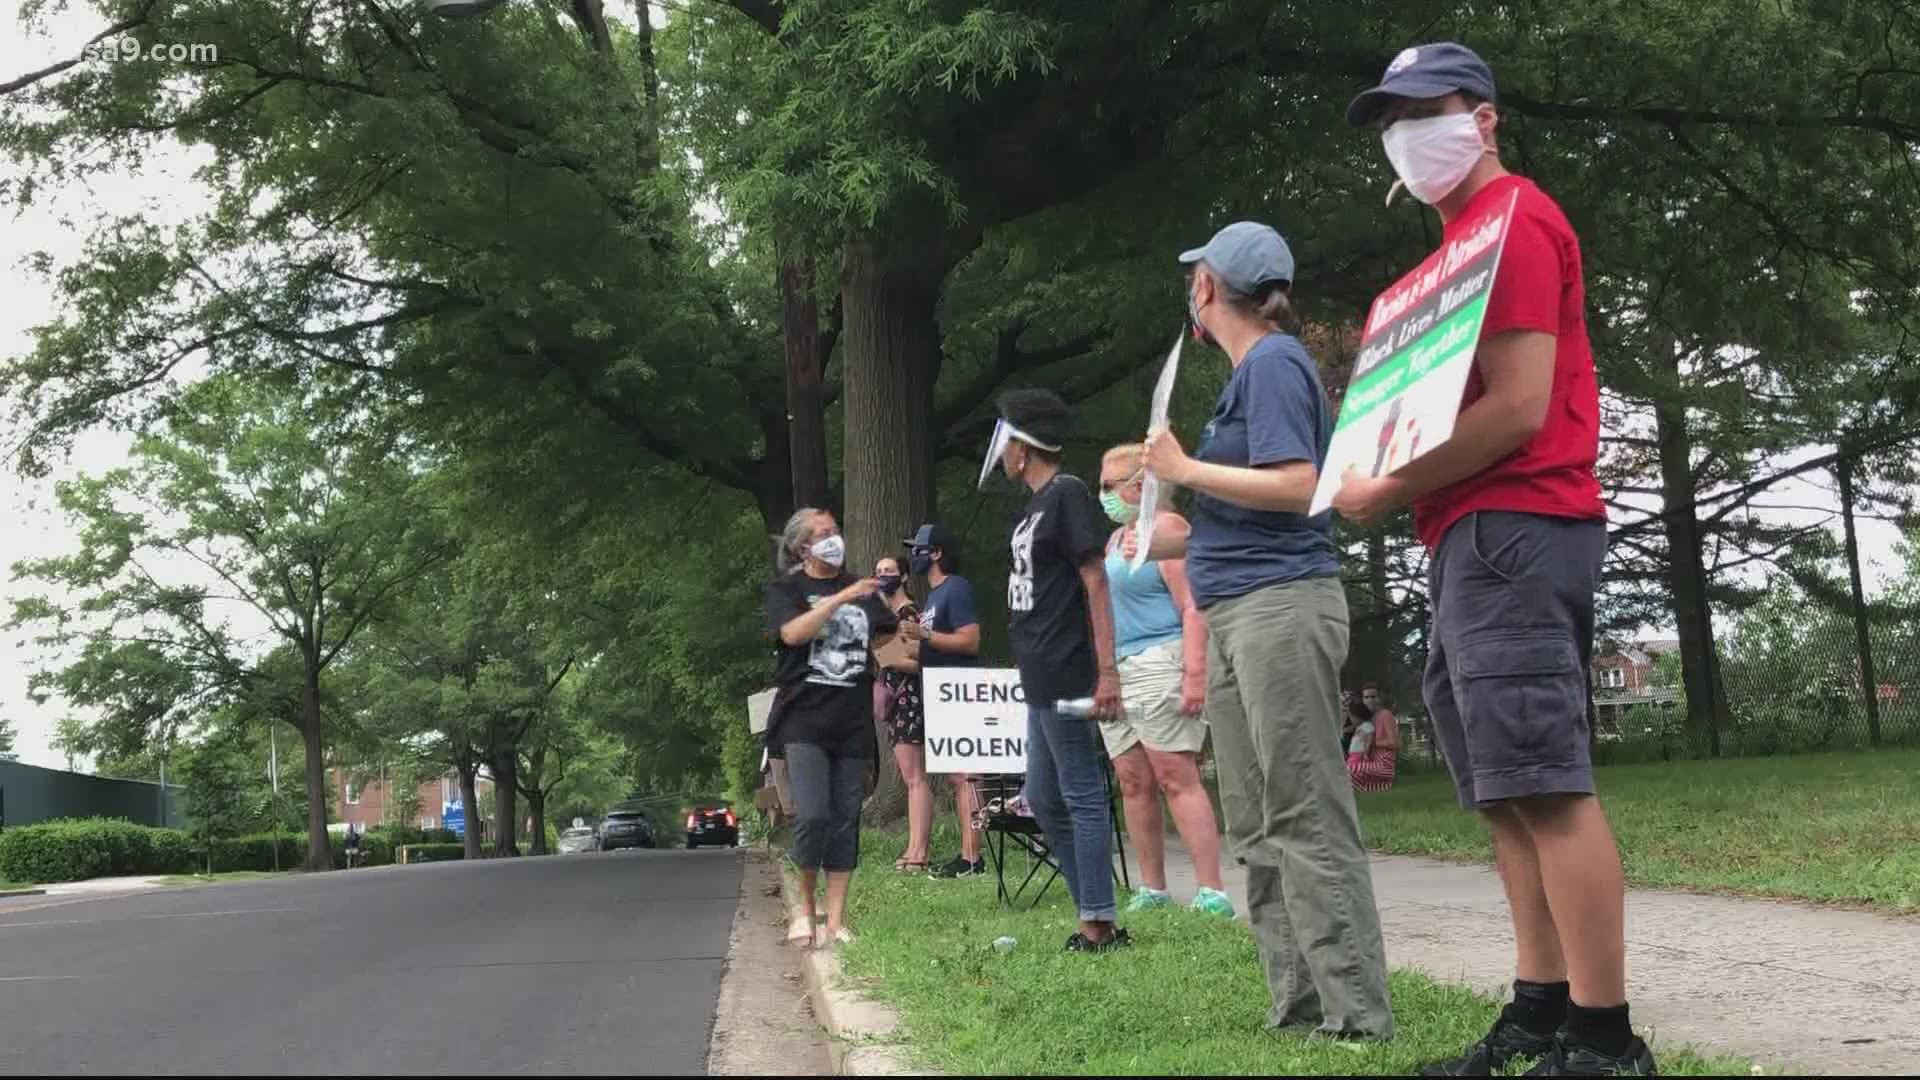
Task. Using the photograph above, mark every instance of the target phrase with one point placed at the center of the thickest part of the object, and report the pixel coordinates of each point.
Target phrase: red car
(714, 825)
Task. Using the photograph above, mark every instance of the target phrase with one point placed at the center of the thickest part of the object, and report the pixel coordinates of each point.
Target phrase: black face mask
(920, 563)
(889, 584)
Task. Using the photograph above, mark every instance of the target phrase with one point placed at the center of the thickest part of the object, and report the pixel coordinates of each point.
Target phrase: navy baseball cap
(930, 536)
(1425, 71)
(1246, 255)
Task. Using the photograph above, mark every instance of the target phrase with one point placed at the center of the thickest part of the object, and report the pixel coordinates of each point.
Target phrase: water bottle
(1005, 944)
(1080, 708)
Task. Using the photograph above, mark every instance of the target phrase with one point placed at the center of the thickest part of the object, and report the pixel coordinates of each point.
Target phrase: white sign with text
(976, 720)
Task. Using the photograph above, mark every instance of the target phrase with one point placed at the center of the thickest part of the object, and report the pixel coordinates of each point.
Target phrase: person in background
(352, 846)
(897, 697)
(1268, 578)
(1061, 627)
(949, 635)
(826, 622)
(1373, 747)
(1511, 510)
(1160, 639)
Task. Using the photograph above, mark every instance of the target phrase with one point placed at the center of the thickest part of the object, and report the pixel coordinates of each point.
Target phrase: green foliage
(81, 848)
(419, 853)
(6, 739)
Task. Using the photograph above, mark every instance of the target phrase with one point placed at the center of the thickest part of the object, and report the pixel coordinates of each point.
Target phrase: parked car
(626, 829)
(579, 839)
(714, 825)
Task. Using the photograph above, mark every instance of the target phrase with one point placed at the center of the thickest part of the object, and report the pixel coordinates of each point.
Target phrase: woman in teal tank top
(1160, 639)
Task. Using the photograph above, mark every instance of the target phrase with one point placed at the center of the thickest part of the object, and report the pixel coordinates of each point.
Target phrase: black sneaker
(1079, 942)
(960, 868)
(1572, 1059)
(1508, 1041)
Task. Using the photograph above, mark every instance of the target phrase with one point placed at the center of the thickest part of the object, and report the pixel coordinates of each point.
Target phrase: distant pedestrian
(352, 846)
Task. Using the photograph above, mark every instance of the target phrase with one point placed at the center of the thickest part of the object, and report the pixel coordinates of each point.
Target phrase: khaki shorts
(1150, 689)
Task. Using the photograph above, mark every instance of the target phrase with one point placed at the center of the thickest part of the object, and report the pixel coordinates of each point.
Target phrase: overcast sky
(167, 190)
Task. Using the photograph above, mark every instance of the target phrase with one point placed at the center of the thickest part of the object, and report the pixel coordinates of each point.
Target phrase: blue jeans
(1067, 790)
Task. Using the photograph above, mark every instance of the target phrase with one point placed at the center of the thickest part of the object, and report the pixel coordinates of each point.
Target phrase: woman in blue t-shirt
(1160, 639)
(1268, 578)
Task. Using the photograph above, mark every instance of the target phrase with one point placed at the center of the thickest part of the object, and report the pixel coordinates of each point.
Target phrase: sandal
(904, 865)
(802, 933)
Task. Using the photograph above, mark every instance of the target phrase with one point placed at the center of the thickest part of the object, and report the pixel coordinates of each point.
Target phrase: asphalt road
(579, 964)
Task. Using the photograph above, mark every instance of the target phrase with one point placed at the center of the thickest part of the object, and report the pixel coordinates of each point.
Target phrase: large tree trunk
(537, 823)
(505, 797)
(1707, 712)
(890, 363)
(1869, 682)
(806, 401)
(470, 805)
(319, 850)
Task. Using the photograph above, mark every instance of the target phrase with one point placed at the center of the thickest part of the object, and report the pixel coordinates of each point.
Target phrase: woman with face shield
(1267, 576)
(826, 622)
(1060, 623)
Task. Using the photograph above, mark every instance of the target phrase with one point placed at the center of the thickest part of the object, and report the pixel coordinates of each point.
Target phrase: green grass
(1826, 828)
(7, 886)
(1188, 999)
(222, 877)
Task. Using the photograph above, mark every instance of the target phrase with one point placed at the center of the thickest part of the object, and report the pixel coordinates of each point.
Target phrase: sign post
(976, 720)
(1416, 353)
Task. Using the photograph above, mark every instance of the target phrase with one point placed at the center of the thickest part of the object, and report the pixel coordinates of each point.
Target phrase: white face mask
(831, 550)
(1433, 155)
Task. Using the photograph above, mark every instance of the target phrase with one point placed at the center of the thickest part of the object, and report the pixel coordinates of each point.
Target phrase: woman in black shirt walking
(826, 621)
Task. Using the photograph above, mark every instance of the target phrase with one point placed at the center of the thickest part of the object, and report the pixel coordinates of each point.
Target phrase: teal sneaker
(1146, 899)
(1213, 902)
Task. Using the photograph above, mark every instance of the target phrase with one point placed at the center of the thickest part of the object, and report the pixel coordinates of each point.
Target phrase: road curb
(863, 1034)
(6, 893)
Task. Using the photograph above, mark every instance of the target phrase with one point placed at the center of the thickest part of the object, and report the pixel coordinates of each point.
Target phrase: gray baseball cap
(1425, 71)
(1246, 255)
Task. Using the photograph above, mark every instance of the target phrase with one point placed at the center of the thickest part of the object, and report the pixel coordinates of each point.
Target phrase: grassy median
(1827, 828)
(1187, 999)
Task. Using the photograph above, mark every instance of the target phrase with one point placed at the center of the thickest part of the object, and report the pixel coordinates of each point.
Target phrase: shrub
(81, 848)
(256, 852)
(417, 853)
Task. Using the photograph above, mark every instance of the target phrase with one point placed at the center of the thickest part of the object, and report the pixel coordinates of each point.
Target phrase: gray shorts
(1508, 660)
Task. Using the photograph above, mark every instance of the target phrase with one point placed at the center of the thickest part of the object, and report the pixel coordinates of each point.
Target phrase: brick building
(365, 805)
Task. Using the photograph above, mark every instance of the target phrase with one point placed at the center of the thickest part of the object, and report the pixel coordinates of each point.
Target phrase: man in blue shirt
(949, 635)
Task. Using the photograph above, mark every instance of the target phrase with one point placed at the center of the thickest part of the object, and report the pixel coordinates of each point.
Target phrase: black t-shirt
(1061, 528)
(827, 683)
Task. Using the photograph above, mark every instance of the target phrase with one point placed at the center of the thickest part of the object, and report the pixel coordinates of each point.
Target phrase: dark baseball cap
(930, 536)
(1246, 255)
(1425, 71)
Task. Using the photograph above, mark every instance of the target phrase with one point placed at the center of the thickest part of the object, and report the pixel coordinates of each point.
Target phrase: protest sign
(1150, 485)
(976, 720)
(1416, 352)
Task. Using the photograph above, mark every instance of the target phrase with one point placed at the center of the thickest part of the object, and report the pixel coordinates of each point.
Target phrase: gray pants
(1273, 698)
(827, 793)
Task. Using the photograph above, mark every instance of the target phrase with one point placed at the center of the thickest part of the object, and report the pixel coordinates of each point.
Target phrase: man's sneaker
(1507, 1042)
(960, 868)
(1572, 1059)
(1146, 899)
(1079, 942)
(1213, 902)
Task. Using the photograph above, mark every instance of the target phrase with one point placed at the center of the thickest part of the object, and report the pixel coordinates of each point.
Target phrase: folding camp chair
(1002, 827)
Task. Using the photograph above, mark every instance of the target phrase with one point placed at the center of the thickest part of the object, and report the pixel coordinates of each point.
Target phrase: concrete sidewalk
(103, 885)
(1820, 991)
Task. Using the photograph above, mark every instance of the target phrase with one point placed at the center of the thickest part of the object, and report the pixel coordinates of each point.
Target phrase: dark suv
(626, 829)
(714, 825)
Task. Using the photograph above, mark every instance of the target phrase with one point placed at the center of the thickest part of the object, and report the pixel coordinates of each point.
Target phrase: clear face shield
(1004, 433)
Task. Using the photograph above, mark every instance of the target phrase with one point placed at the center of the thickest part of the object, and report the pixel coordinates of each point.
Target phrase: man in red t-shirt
(1510, 509)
